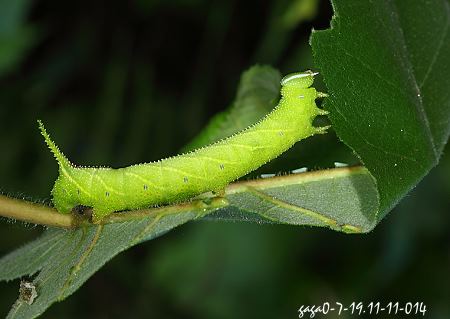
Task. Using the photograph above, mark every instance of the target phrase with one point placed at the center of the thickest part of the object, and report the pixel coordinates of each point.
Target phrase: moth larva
(210, 168)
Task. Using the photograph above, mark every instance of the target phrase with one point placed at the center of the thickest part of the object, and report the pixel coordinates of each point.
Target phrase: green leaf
(386, 66)
(341, 199)
(257, 95)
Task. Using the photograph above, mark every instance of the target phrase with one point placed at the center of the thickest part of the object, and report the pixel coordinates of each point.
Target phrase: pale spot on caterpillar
(299, 170)
(339, 164)
(244, 152)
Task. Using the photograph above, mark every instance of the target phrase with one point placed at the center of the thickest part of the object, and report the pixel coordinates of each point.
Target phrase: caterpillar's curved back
(181, 177)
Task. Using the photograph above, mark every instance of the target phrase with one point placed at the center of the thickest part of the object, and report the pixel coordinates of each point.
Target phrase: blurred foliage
(137, 80)
(16, 35)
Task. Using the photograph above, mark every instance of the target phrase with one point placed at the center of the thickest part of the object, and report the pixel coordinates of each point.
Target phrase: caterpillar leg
(322, 129)
(322, 95)
(220, 192)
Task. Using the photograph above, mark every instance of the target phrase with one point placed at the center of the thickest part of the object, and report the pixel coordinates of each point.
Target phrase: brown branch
(35, 213)
(44, 215)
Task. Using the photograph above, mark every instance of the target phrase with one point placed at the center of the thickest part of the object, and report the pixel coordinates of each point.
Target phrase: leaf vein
(437, 52)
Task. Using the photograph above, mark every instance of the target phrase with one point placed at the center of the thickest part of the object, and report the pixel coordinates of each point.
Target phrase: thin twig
(44, 215)
(35, 213)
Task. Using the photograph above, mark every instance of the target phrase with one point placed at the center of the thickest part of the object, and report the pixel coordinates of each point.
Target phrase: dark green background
(126, 82)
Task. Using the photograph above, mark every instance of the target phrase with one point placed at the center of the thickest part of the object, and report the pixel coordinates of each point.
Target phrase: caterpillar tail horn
(62, 160)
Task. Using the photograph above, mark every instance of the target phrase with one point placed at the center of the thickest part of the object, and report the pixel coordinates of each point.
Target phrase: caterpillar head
(301, 79)
(298, 83)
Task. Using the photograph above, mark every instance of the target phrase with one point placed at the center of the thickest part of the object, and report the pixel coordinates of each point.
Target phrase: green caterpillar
(178, 178)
